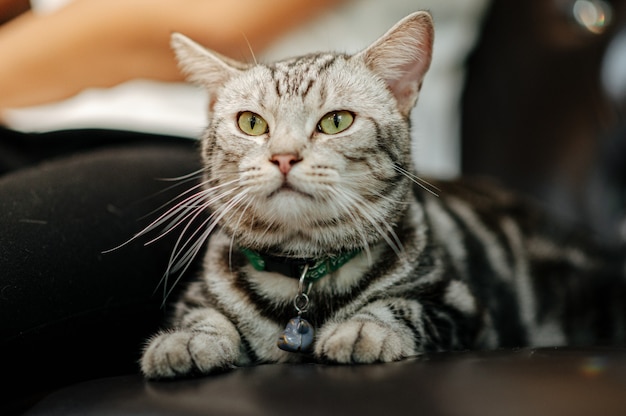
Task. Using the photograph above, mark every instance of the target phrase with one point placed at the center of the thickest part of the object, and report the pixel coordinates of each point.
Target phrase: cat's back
(538, 275)
(478, 205)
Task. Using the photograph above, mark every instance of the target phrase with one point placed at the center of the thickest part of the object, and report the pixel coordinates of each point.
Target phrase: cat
(325, 246)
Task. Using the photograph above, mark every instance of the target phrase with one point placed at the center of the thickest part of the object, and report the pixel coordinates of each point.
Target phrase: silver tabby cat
(315, 214)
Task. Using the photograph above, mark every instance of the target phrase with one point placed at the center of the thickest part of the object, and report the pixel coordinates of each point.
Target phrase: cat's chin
(283, 241)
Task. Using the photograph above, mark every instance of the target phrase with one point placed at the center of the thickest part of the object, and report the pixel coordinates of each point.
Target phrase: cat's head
(308, 156)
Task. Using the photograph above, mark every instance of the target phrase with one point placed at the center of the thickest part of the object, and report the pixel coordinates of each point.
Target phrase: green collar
(293, 267)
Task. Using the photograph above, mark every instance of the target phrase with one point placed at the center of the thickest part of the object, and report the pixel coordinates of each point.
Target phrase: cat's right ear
(202, 66)
(401, 57)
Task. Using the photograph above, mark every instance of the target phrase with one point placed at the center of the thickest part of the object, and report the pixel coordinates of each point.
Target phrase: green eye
(252, 124)
(335, 122)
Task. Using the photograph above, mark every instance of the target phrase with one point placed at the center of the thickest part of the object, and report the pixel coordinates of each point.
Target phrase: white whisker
(174, 257)
(390, 237)
(422, 183)
(187, 209)
(183, 253)
(198, 185)
(347, 208)
(171, 213)
(191, 175)
(183, 213)
(235, 228)
(250, 48)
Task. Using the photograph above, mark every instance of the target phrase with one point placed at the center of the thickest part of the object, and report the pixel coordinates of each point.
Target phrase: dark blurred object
(71, 310)
(12, 8)
(535, 115)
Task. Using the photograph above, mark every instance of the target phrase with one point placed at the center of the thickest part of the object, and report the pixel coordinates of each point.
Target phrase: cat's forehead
(303, 87)
(296, 76)
(304, 83)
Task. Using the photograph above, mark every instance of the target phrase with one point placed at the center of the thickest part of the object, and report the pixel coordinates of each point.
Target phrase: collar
(293, 267)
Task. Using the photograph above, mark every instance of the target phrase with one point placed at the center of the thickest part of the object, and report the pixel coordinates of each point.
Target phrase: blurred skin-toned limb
(101, 43)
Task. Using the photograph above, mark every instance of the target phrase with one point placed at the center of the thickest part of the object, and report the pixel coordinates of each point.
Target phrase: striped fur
(472, 267)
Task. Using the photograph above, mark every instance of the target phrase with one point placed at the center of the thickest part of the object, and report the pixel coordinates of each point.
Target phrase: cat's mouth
(287, 188)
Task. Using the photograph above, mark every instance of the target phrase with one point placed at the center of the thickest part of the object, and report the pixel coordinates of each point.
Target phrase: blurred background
(531, 93)
(543, 107)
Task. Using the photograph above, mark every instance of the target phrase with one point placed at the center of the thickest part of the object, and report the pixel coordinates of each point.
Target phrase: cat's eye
(252, 124)
(335, 122)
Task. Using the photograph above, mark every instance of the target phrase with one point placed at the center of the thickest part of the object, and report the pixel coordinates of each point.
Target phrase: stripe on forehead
(297, 76)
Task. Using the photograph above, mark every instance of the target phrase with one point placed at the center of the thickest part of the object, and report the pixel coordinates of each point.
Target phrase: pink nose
(285, 162)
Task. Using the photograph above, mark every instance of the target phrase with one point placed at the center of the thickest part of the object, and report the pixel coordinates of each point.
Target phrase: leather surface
(521, 382)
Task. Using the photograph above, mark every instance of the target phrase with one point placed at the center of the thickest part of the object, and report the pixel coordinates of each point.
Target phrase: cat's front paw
(361, 340)
(183, 352)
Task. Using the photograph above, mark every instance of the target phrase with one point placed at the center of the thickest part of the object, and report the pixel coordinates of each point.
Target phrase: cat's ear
(202, 66)
(402, 56)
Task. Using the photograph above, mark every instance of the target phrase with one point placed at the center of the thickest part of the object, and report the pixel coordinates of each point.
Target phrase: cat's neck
(311, 269)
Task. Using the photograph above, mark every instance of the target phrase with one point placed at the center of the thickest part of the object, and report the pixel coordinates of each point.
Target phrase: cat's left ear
(402, 57)
(203, 66)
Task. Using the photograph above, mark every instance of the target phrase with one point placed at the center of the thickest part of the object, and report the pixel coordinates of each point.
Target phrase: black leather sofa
(547, 382)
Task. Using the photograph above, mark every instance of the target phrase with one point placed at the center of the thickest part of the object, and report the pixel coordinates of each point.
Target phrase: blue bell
(298, 336)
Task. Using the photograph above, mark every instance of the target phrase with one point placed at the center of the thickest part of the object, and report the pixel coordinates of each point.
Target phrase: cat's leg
(379, 332)
(204, 341)
(393, 329)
